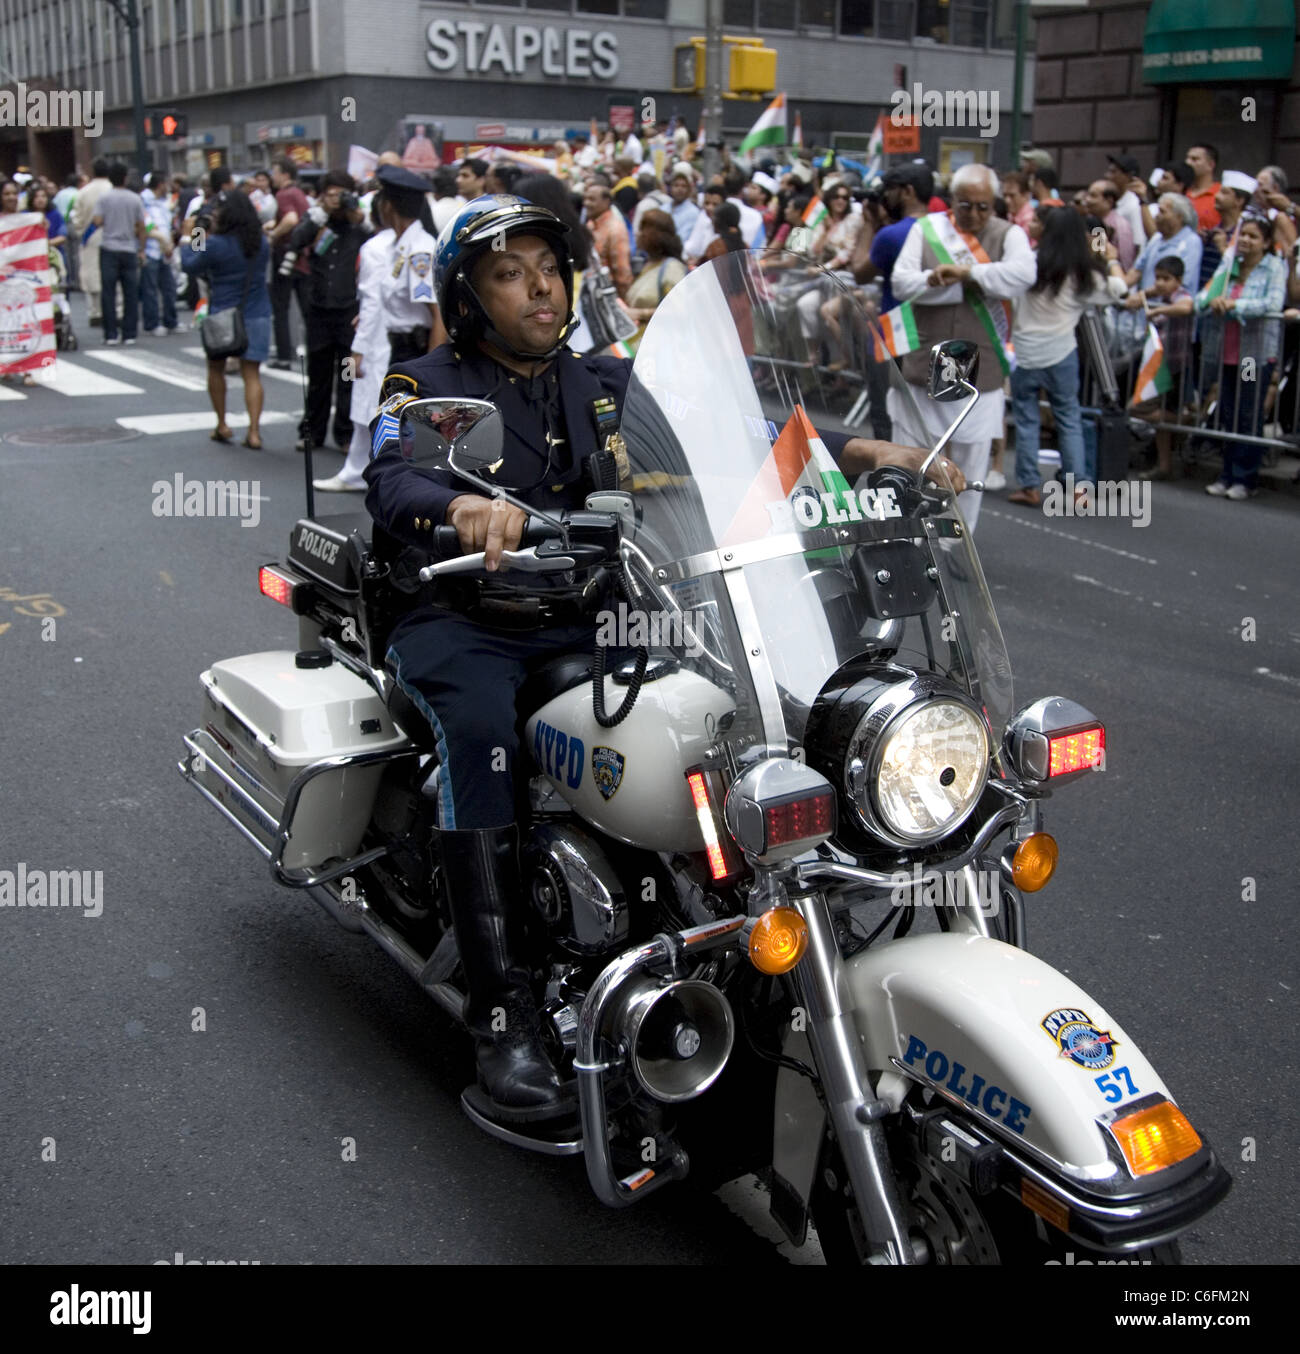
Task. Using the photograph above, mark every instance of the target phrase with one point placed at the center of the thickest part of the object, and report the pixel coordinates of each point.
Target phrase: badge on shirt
(421, 282)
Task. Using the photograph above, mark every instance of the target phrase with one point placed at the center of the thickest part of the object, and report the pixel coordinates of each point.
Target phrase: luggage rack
(207, 762)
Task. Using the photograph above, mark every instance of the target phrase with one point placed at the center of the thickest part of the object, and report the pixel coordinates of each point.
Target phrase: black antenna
(307, 459)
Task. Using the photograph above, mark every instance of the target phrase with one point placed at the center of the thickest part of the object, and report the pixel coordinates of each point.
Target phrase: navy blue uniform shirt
(408, 501)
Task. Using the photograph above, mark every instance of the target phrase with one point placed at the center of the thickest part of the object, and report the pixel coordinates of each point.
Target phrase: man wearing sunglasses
(961, 269)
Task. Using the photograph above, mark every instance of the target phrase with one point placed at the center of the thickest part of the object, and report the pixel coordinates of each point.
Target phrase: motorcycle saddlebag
(265, 721)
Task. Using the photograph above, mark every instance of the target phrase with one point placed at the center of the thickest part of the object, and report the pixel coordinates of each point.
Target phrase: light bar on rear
(286, 588)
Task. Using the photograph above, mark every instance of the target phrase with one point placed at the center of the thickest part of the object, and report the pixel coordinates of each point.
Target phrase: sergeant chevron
(24, 887)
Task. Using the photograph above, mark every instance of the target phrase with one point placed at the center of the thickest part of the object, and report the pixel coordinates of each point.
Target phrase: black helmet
(466, 237)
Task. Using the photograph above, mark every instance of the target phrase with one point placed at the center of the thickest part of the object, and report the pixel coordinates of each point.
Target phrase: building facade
(310, 78)
(1152, 79)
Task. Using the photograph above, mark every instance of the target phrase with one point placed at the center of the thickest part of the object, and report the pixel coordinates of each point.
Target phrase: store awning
(1215, 40)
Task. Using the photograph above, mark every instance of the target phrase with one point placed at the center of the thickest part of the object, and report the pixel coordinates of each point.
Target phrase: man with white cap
(1235, 191)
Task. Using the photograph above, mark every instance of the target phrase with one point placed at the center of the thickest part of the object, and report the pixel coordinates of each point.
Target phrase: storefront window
(970, 23)
(597, 6)
(561, 5)
(645, 9)
(179, 11)
(857, 18)
(894, 19)
(816, 13)
(932, 20)
(776, 14)
(738, 13)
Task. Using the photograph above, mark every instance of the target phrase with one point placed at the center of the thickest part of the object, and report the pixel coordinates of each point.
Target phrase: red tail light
(721, 864)
(1077, 751)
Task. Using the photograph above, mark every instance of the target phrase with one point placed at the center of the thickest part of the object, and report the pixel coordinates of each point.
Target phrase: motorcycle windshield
(777, 565)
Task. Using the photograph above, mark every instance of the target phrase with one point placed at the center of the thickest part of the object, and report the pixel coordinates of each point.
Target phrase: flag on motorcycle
(1153, 376)
(26, 306)
(769, 130)
(898, 330)
(815, 213)
(798, 454)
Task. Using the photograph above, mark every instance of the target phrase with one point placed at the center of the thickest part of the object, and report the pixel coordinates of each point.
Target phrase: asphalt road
(228, 1142)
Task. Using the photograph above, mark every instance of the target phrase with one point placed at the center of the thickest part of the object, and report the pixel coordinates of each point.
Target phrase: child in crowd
(1171, 312)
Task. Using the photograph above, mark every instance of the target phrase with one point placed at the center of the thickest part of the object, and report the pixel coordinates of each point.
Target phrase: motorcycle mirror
(456, 434)
(954, 368)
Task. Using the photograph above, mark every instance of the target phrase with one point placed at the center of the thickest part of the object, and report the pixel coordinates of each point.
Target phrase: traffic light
(165, 124)
(749, 70)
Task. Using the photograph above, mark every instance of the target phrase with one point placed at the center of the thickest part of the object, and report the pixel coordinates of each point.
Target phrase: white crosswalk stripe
(71, 378)
(293, 377)
(153, 365)
(193, 422)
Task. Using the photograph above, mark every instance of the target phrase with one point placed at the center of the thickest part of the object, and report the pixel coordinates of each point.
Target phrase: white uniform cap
(1243, 183)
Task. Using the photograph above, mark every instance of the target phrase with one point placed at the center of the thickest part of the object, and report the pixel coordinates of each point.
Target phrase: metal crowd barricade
(1211, 402)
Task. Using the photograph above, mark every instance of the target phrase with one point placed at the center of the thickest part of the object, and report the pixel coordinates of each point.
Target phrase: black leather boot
(481, 873)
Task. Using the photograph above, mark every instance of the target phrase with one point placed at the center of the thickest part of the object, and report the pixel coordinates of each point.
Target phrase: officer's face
(523, 293)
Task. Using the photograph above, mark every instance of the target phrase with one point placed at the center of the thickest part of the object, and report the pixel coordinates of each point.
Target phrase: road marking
(158, 368)
(751, 1203)
(292, 376)
(1066, 535)
(1278, 676)
(68, 378)
(192, 421)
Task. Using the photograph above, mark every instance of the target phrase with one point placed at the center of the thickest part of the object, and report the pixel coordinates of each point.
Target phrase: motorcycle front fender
(1034, 1061)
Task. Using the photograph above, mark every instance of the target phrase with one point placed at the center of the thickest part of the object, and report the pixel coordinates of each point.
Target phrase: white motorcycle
(731, 833)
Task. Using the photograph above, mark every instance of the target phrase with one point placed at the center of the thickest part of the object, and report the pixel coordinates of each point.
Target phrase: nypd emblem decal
(1080, 1040)
(607, 770)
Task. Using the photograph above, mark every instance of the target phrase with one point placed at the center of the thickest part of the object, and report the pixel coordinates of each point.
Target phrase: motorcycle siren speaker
(678, 1036)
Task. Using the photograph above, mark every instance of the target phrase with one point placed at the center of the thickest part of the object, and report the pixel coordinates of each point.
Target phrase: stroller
(64, 338)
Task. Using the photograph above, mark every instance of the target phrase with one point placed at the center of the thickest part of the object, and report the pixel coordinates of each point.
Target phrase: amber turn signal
(1034, 862)
(778, 940)
(1155, 1138)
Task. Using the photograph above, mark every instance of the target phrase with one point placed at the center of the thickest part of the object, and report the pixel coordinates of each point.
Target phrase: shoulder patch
(397, 383)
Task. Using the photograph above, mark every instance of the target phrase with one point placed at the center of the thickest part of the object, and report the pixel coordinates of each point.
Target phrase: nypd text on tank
(522, 49)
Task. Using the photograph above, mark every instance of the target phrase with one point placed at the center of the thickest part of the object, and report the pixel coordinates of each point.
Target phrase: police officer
(408, 293)
(461, 662)
(504, 274)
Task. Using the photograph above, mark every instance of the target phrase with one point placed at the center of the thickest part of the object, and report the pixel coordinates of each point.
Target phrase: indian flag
(815, 213)
(769, 130)
(876, 144)
(796, 141)
(898, 332)
(798, 456)
(1153, 377)
(622, 348)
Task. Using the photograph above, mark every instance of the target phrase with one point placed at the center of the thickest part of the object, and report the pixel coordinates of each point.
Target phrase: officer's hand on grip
(490, 525)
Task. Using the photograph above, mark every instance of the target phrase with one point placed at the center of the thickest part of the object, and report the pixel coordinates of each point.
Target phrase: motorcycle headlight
(909, 751)
(929, 766)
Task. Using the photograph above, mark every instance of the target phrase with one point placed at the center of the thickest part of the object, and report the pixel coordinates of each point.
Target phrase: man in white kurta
(957, 270)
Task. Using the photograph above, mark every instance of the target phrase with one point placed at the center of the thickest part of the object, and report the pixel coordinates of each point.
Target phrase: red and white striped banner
(26, 310)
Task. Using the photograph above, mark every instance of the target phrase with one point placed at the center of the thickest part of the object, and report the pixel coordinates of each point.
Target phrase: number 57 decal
(1109, 1082)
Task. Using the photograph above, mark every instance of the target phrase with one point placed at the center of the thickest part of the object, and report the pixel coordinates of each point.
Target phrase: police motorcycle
(776, 861)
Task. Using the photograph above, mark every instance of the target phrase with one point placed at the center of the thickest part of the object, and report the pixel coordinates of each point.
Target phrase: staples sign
(522, 49)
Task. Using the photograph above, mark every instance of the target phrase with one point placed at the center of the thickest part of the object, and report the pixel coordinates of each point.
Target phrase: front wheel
(955, 1225)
